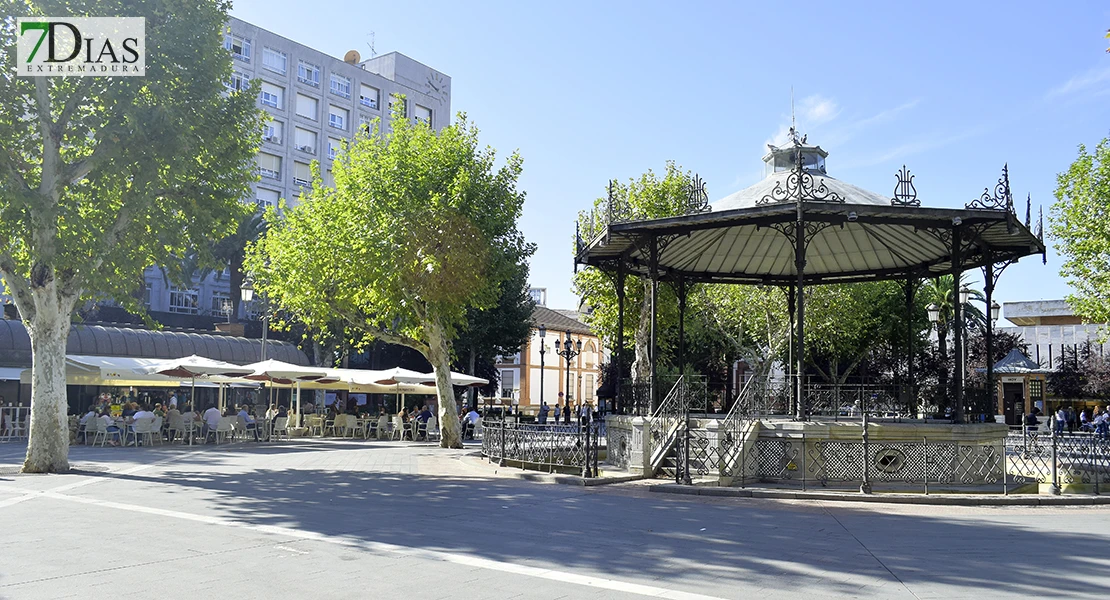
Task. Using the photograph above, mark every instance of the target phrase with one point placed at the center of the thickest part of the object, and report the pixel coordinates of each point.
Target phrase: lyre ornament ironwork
(697, 200)
(905, 194)
(1000, 200)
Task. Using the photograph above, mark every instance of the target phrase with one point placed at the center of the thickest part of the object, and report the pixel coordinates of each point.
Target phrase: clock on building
(436, 86)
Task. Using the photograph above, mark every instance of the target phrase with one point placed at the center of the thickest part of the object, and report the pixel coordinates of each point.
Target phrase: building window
(308, 73)
(271, 132)
(337, 117)
(366, 124)
(239, 47)
(264, 197)
(395, 101)
(238, 82)
(302, 174)
(306, 106)
(369, 96)
(305, 140)
(329, 178)
(340, 85)
(271, 95)
(274, 60)
(508, 383)
(269, 166)
(184, 301)
(1036, 389)
(146, 295)
(221, 303)
(423, 114)
(589, 391)
(333, 148)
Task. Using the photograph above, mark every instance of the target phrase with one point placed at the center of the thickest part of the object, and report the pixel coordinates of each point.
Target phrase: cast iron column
(681, 326)
(800, 267)
(619, 370)
(958, 342)
(988, 289)
(654, 294)
(791, 306)
(910, 386)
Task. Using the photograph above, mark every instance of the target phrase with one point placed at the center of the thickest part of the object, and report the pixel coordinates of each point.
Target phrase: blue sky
(592, 91)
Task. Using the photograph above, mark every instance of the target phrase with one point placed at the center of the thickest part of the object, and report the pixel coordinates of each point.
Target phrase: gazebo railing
(549, 447)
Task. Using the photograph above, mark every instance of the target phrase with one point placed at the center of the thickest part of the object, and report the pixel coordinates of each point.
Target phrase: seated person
(422, 418)
(469, 421)
(211, 420)
(110, 425)
(251, 425)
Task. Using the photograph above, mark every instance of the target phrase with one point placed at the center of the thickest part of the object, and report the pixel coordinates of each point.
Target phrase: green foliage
(1080, 223)
(500, 330)
(427, 231)
(645, 197)
(103, 176)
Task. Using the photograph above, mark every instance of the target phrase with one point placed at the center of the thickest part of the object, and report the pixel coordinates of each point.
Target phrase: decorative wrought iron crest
(800, 186)
(905, 194)
(618, 209)
(1000, 200)
(1028, 209)
(697, 200)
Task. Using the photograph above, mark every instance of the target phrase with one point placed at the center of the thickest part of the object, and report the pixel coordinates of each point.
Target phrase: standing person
(1031, 421)
(173, 399)
(1072, 420)
(558, 411)
(1061, 420)
(544, 409)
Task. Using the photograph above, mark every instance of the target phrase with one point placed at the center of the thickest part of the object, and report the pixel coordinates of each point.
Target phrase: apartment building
(315, 102)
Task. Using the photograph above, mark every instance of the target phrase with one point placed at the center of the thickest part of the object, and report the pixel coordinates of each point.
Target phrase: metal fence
(775, 397)
(543, 447)
(14, 422)
(1019, 460)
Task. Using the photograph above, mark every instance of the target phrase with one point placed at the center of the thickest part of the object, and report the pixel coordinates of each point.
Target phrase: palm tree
(228, 254)
(939, 292)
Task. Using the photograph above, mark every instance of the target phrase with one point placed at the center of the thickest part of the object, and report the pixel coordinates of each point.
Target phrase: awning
(10, 373)
(119, 371)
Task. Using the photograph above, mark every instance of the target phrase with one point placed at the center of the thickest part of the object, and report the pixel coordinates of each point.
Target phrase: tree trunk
(471, 392)
(48, 441)
(439, 354)
(319, 396)
(641, 366)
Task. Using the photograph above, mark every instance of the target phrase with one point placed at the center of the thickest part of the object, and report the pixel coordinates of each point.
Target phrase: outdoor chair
(315, 424)
(371, 429)
(431, 429)
(225, 428)
(156, 430)
(398, 428)
(102, 433)
(477, 433)
(239, 425)
(383, 427)
(420, 430)
(89, 429)
(188, 430)
(138, 429)
(176, 426)
(281, 428)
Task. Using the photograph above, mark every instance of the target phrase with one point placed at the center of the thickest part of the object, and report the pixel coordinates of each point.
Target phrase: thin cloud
(925, 144)
(1080, 83)
(817, 109)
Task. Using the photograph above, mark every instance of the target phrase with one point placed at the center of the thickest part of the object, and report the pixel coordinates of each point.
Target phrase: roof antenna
(793, 127)
(373, 52)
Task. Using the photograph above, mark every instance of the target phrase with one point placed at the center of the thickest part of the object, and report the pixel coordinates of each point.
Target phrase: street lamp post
(543, 334)
(961, 323)
(247, 294)
(568, 350)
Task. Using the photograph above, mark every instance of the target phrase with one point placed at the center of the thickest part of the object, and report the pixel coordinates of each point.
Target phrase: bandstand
(799, 227)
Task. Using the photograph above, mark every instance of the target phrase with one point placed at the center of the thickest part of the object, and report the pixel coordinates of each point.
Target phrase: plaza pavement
(353, 519)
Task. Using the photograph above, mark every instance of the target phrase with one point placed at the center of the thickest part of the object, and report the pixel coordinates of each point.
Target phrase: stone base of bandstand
(906, 455)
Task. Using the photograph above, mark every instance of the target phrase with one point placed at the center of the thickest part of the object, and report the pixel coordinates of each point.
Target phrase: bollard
(1055, 488)
(501, 459)
(925, 461)
(865, 488)
(1005, 469)
(803, 461)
